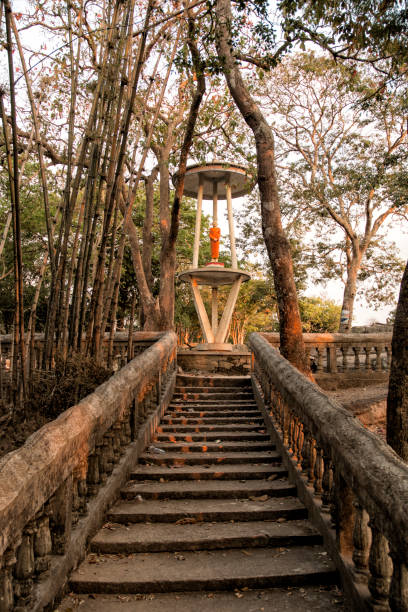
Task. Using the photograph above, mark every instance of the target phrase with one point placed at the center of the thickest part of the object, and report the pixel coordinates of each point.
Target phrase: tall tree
(341, 162)
(362, 31)
(291, 340)
(159, 310)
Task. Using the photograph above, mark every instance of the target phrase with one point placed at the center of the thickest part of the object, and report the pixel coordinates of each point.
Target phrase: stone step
(208, 436)
(234, 427)
(186, 389)
(197, 380)
(210, 458)
(214, 511)
(213, 402)
(207, 510)
(192, 411)
(293, 599)
(198, 472)
(142, 537)
(214, 396)
(211, 420)
(204, 570)
(221, 414)
(199, 447)
(208, 489)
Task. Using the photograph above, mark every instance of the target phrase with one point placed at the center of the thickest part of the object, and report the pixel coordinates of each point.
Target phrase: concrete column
(198, 222)
(234, 262)
(214, 310)
(202, 313)
(332, 359)
(215, 204)
(228, 311)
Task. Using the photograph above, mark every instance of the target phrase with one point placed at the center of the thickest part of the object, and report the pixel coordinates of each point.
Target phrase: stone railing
(341, 352)
(55, 489)
(353, 484)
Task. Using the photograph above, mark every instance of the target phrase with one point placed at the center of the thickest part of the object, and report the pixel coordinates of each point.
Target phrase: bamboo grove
(109, 138)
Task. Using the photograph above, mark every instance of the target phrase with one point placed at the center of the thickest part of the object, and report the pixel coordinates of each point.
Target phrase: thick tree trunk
(397, 402)
(291, 340)
(350, 288)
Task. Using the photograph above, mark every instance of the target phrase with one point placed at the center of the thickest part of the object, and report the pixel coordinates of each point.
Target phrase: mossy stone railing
(342, 352)
(353, 484)
(55, 489)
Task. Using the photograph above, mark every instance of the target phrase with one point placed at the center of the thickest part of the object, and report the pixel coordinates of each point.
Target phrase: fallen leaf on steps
(261, 498)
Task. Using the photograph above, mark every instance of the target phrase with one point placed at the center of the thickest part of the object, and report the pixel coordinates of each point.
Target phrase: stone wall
(234, 362)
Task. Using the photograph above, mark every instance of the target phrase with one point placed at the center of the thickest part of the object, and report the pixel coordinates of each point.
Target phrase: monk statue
(215, 234)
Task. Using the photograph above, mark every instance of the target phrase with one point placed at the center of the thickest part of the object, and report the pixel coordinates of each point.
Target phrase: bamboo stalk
(18, 269)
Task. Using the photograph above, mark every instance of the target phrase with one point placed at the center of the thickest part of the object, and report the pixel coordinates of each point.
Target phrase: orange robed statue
(215, 234)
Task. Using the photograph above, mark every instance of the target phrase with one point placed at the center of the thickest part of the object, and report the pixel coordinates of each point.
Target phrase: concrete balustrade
(55, 489)
(342, 352)
(353, 484)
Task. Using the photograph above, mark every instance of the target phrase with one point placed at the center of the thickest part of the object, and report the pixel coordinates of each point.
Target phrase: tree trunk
(291, 339)
(168, 252)
(397, 402)
(346, 317)
(150, 304)
(15, 209)
(147, 227)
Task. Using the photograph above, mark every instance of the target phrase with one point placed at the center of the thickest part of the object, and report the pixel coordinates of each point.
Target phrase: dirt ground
(363, 393)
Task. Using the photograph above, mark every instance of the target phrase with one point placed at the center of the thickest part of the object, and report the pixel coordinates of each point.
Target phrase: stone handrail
(55, 489)
(354, 485)
(341, 352)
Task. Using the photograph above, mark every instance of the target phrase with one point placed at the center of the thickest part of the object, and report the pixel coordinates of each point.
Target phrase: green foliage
(380, 274)
(319, 315)
(34, 243)
(352, 28)
(255, 309)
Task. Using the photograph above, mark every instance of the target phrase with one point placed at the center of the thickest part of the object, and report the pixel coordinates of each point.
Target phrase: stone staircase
(208, 519)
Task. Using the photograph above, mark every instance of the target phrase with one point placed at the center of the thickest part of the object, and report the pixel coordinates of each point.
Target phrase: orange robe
(215, 234)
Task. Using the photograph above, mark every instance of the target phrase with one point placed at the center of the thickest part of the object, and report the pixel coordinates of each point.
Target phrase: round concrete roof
(217, 173)
(213, 276)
